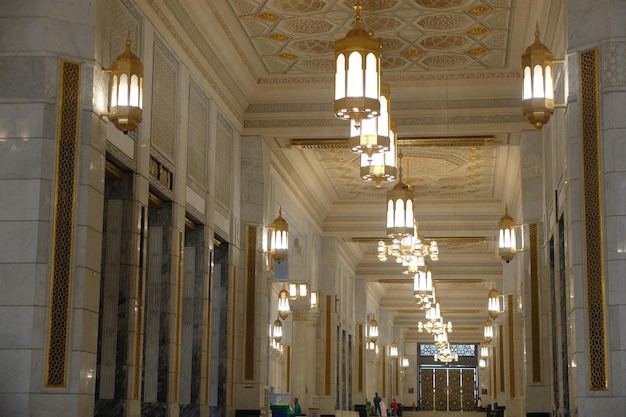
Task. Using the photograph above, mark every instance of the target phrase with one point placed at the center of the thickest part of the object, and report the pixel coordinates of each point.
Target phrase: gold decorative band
(63, 226)
(592, 227)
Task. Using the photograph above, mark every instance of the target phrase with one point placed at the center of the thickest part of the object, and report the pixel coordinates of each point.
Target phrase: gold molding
(592, 224)
(440, 240)
(179, 315)
(139, 333)
(328, 303)
(343, 143)
(112, 170)
(501, 359)
(359, 383)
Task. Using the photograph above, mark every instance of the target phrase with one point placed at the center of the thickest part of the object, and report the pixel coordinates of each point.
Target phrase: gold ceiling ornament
(283, 304)
(279, 238)
(538, 87)
(507, 245)
(126, 110)
(357, 73)
(376, 142)
(400, 217)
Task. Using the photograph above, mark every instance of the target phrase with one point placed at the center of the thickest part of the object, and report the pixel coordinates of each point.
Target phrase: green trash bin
(281, 410)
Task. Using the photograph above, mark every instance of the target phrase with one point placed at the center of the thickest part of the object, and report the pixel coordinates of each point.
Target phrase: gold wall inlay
(360, 359)
(179, 315)
(592, 227)
(250, 295)
(59, 306)
(141, 272)
(328, 304)
(535, 303)
(511, 342)
(207, 367)
(502, 376)
(494, 376)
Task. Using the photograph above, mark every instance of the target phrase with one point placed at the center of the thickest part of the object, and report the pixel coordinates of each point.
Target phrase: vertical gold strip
(501, 361)
(207, 370)
(231, 354)
(535, 303)
(383, 367)
(360, 359)
(179, 315)
(593, 237)
(143, 236)
(250, 295)
(327, 324)
(63, 226)
(494, 378)
(288, 368)
(396, 376)
(511, 342)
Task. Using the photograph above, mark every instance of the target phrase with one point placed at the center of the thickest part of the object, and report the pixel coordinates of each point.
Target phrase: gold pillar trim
(231, 353)
(494, 378)
(179, 315)
(535, 304)
(59, 305)
(207, 366)
(360, 366)
(511, 341)
(289, 353)
(501, 359)
(592, 225)
(250, 296)
(383, 361)
(328, 303)
(141, 276)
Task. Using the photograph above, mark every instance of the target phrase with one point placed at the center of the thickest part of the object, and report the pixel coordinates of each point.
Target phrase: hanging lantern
(488, 331)
(393, 350)
(507, 243)
(279, 239)
(357, 73)
(372, 136)
(538, 86)
(400, 218)
(494, 303)
(484, 350)
(283, 304)
(126, 91)
(277, 330)
(373, 331)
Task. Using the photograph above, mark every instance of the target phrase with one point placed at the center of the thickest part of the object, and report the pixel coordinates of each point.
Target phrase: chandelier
(488, 331)
(423, 289)
(445, 355)
(357, 73)
(283, 304)
(409, 250)
(494, 303)
(372, 331)
(400, 219)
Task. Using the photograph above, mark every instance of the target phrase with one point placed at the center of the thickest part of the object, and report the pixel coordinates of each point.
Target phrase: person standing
(377, 401)
(297, 410)
(394, 407)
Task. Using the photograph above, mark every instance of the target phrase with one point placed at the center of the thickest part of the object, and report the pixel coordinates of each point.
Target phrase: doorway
(447, 389)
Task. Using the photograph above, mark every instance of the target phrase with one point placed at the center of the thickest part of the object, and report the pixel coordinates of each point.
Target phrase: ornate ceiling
(453, 67)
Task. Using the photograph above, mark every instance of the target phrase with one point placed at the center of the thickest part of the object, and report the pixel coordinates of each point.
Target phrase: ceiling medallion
(267, 16)
(278, 37)
(413, 53)
(477, 51)
(477, 31)
(479, 10)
